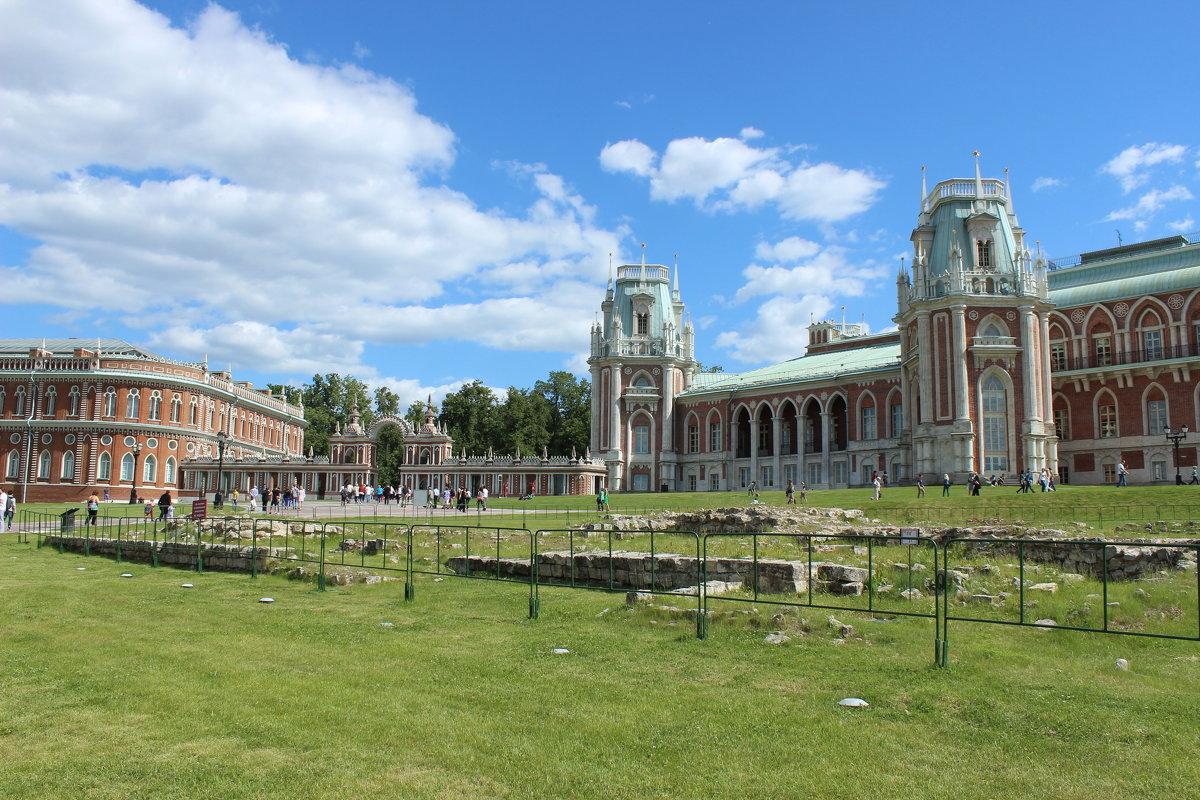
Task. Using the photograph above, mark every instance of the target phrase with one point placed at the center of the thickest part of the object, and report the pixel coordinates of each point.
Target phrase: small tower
(642, 356)
(972, 321)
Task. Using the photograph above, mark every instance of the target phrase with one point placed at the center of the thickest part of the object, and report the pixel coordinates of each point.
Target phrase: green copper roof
(820, 366)
(1177, 269)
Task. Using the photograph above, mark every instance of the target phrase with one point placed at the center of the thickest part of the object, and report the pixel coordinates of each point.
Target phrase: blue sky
(423, 194)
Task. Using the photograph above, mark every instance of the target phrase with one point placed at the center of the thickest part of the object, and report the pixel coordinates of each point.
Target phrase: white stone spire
(675, 280)
(1012, 211)
(978, 182)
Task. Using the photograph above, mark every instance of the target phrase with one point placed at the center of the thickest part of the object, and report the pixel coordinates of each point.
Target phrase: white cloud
(1046, 183)
(1185, 225)
(195, 178)
(1150, 203)
(827, 271)
(727, 174)
(779, 330)
(790, 249)
(628, 156)
(1130, 164)
(750, 133)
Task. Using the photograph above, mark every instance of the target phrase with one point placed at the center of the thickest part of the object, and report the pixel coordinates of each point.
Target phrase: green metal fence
(1087, 585)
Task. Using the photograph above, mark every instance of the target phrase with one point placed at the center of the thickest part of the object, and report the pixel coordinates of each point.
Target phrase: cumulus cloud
(778, 331)
(1130, 165)
(1150, 203)
(750, 133)
(825, 271)
(194, 178)
(1185, 225)
(1046, 183)
(727, 174)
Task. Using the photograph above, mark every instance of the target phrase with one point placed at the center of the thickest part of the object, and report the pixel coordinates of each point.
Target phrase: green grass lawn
(118, 688)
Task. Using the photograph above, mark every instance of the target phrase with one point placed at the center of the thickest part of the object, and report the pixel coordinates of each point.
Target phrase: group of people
(363, 493)
(458, 498)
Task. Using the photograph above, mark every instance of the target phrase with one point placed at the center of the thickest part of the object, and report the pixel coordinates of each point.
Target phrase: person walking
(752, 489)
(1122, 475)
(603, 498)
(920, 486)
(1195, 477)
(878, 484)
(93, 508)
(10, 508)
(946, 484)
(3, 502)
(164, 503)
(803, 492)
(791, 493)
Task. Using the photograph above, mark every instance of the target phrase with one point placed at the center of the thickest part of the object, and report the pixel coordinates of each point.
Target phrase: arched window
(110, 402)
(176, 406)
(211, 415)
(68, 466)
(693, 434)
(641, 324)
(896, 412)
(868, 427)
(1152, 336)
(150, 469)
(995, 425)
(133, 404)
(73, 400)
(127, 467)
(51, 402)
(993, 329)
(44, 464)
(1107, 423)
(2, 398)
(192, 412)
(155, 405)
(20, 395)
(14, 464)
(1062, 419)
(104, 467)
(169, 475)
(1156, 411)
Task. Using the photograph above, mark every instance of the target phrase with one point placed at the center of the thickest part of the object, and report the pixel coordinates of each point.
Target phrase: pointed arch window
(127, 467)
(192, 412)
(156, 405)
(641, 439)
(110, 402)
(51, 402)
(1156, 415)
(104, 467)
(995, 425)
(176, 406)
(1062, 420)
(2, 399)
(73, 402)
(150, 469)
(68, 466)
(641, 324)
(1106, 417)
(169, 474)
(133, 403)
(44, 464)
(1152, 337)
(14, 464)
(20, 396)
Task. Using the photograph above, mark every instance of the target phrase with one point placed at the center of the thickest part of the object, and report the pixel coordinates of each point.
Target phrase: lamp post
(1175, 436)
(222, 438)
(137, 451)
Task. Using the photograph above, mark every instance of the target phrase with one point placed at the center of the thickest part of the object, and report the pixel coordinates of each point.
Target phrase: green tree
(387, 402)
(570, 407)
(328, 400)
(416, 414)
(524, 423)
(389, 454)
(469, 416)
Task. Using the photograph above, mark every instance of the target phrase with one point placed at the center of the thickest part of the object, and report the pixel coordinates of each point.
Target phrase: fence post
(410, 589)
(200, 546)
(535, 602)
(321, 574)
(254, 548)
(701, 589)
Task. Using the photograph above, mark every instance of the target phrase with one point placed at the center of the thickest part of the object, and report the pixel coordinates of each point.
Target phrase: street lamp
(1175, 437)
(137, 451)
(222, 438)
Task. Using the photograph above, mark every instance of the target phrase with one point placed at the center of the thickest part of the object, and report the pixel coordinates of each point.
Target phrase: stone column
(776, 446)
(614, 408)
(962, 409)
(668, 405)
(925, 368)
(754, 423)
(826, 456)
(597, 404)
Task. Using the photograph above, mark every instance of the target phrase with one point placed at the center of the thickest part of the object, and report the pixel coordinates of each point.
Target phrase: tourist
(1122, 475)
(446, 497)
(253, 499)
(234, 497)
(752, 489)
(164, 503)
(877, 482)
(147, 509)
(1195, 477)
(483, 496)
(3, 502)
(93, 507)
(218, 499)
(884, 477)
(803, 492)
(920, 486)
(603, 498)
(10, 508)
(301, 494)
(946, 484)
(791, 493)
